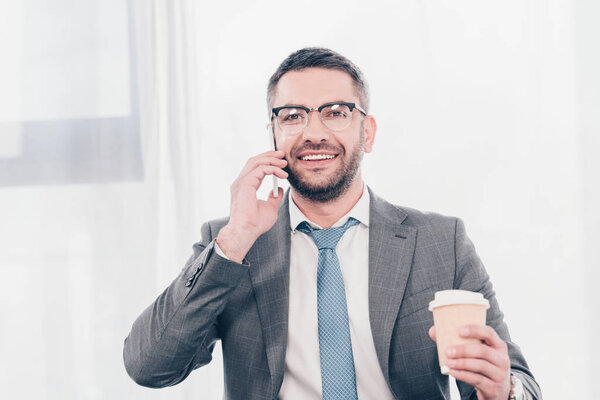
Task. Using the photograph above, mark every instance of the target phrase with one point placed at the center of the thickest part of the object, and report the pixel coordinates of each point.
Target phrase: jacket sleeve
(471, 275)
(177, 333)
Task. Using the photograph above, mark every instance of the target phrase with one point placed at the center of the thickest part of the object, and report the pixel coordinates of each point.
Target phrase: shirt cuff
(220, 252)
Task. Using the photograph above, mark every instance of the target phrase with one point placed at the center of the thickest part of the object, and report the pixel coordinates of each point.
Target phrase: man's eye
(336, 114)
(292, 117)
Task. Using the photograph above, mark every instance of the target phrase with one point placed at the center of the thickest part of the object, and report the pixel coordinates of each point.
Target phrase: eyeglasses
(335, 116)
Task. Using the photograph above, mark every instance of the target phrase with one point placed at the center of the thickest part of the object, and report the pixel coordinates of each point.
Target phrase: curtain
(99, 191)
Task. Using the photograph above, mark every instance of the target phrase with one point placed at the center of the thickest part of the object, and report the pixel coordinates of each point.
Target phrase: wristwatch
(516, 389)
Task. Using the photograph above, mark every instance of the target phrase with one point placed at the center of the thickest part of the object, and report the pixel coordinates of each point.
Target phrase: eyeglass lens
(335, 117)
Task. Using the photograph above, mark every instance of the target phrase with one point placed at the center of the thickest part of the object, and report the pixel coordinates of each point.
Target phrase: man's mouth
(316, 157)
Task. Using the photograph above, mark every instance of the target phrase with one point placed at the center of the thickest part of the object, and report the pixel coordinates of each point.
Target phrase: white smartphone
(274, 147)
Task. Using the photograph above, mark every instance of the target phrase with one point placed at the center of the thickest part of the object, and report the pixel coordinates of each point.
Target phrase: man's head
(318, 57)
(323, 154)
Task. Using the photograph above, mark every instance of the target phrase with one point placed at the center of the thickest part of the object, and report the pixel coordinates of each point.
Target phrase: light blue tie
(338, 378)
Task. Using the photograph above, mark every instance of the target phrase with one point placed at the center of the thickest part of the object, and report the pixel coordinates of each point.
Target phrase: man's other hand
(485, 366)
(250, 217)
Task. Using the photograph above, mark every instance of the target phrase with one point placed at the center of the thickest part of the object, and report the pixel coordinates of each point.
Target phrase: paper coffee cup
(453, 309)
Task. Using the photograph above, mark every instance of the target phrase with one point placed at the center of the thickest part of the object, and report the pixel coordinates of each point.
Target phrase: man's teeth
(317, 157)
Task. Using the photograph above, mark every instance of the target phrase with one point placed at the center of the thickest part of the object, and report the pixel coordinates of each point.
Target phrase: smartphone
(274, 147)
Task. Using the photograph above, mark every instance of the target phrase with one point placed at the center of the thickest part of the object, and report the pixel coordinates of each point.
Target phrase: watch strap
(517, 392)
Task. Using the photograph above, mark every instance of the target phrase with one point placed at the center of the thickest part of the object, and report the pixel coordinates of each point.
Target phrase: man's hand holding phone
(250, 217)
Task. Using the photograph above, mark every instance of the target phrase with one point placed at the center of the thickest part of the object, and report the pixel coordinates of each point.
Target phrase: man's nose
(315, 130)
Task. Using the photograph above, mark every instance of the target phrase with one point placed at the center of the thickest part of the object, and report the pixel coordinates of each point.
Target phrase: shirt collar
(360, 211)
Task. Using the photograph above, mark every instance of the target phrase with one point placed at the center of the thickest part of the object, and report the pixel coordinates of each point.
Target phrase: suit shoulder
(408, 216)
(422, 220)
(418, 218)
(432, 226)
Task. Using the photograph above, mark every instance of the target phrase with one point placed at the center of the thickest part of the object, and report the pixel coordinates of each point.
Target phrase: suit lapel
(391, 249)
(269, 271)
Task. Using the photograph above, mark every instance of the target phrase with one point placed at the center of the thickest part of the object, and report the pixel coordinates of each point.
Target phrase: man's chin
(323, 192)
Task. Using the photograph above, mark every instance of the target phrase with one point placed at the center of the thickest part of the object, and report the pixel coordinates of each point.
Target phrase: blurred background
(124, 122)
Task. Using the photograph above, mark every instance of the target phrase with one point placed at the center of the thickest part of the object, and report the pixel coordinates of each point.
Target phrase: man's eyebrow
(301, 105)
(291, 105)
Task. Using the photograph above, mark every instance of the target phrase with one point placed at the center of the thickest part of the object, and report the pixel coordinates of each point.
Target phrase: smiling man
(322, 291)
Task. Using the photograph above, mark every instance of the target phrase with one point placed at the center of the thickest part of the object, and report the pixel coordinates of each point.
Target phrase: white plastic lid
(448, 297)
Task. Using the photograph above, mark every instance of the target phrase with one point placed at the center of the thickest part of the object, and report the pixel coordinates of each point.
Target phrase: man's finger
(256, 177)
(274, 201)
(257, 161)
(263, 170)
(484, 333)
(480, 351)
(479, 366)
(432, 333)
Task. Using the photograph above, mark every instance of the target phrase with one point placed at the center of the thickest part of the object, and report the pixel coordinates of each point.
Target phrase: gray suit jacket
(411, 256)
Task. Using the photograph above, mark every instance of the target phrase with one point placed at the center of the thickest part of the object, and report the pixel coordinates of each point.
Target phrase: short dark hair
(319, 57)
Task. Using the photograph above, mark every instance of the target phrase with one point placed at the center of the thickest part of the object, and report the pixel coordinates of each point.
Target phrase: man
(322, 292)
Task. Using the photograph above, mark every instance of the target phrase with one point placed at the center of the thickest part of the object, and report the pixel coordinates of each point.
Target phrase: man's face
(322, 180)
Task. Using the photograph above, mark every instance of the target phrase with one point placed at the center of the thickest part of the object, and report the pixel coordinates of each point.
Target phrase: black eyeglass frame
(351, 107)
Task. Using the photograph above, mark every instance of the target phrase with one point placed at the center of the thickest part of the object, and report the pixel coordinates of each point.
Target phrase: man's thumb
(275, 201)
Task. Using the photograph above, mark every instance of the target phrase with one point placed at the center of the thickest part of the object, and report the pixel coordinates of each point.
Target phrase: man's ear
(370, 128)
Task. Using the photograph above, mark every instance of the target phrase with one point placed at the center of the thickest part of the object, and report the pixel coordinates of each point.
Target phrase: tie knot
(326, 238)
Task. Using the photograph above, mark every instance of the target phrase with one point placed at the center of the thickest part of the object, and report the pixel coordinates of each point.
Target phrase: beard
(338, 182)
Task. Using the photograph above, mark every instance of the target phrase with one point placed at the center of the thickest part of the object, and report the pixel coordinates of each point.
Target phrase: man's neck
(327, 214)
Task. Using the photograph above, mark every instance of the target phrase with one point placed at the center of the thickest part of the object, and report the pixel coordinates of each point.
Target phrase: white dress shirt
(302, 377)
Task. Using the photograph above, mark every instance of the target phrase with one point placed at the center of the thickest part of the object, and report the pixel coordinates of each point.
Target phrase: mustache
(315, 147)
